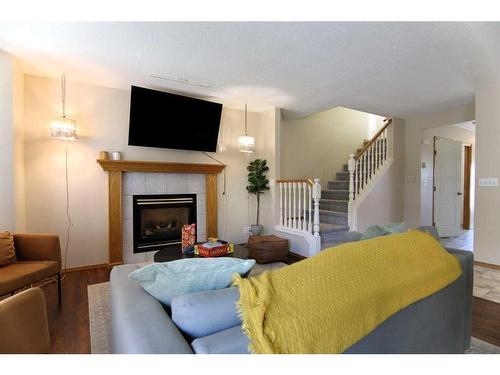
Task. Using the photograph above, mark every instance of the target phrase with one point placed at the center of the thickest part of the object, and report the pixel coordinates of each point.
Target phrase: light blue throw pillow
(166, 280)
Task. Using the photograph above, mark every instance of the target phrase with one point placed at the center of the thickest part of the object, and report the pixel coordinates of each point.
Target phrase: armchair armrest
(37, 246)
(467, 260)
(23, 324)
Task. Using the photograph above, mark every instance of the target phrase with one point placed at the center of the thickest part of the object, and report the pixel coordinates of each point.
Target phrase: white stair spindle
(367, 177)
(294, 188)
(304, 217)
(380, 151)
(385, 144)
(351, 165)
(299, 208)
(309, 229)
(287, 216)
(370, 170)
(367, 153)
(362, 165)
(365, 169)
(356, 173)
(316, 198)
(372, 160)
(287, 203)
(360, 173)
(377, 151)
(285, 206)
(281, 204)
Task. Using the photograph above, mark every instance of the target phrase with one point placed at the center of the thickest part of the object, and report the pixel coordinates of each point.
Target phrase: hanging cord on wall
(223, 171)
(223, 192)
(63, 98)
(68, 216)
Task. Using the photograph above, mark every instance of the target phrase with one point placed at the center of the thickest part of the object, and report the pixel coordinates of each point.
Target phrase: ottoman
(267, 249)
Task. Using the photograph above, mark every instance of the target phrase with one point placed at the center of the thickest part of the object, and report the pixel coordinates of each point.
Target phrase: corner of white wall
(7, 189)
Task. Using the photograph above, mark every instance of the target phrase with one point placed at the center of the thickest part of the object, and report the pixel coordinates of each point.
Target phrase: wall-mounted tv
(160, 119)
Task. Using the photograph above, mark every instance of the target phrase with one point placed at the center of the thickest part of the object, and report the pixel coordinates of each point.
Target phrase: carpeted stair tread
(340, 195)
(332, 200)
(327, 228)
(332, 213)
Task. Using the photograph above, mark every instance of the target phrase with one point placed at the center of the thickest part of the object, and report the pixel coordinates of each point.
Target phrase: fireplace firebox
(158, 220)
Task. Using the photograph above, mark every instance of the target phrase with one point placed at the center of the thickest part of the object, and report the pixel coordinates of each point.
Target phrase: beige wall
(426, 181)
(487, 221)
(269, 149)
(102, 120)
(318, 145)
(7, 180)
(18, 123)
(384, 204)
(414, 133)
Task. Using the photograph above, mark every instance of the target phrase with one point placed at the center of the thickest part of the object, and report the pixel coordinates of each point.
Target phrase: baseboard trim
(111, 265)
(489, 265)
(89, 267)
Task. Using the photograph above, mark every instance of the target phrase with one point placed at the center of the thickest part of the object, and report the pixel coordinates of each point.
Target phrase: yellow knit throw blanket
(328, 302)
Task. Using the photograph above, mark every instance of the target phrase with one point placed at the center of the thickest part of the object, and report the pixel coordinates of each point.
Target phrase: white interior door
(447, 187)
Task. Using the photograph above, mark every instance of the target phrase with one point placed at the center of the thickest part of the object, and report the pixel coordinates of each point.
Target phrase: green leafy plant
(257, 181)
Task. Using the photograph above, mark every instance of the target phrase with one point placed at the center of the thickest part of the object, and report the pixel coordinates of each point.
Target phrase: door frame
(467, 186)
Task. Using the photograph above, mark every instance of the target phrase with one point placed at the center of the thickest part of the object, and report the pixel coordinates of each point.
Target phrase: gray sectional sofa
(206, 322)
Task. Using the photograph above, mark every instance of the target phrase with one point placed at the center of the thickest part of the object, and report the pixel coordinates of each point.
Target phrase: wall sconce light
(63, 127)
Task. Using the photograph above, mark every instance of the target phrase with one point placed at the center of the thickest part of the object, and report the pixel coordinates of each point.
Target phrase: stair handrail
(387, 122)
(364, 166)
(307, 180)
(302, 211)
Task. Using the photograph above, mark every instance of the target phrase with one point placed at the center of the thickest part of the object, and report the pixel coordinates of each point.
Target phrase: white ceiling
(395, 69)
(469, 125)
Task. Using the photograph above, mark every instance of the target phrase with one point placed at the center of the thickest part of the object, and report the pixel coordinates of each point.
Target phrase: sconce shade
(63, 128)
(247, 143)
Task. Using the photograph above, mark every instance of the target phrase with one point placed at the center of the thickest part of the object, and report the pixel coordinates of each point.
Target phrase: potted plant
(257, 184)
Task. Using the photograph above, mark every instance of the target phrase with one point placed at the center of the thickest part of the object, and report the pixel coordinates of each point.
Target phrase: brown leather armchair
(38, 257)
(23, 324)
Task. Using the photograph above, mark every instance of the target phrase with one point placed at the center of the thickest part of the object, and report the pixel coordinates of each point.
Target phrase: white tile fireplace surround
(143, 183)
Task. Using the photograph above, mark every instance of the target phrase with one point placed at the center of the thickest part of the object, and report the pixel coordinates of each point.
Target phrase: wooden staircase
(333, 207)
(314, 218)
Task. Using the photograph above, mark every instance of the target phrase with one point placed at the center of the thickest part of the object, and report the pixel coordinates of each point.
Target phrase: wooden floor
(69, 327)
(486, 320)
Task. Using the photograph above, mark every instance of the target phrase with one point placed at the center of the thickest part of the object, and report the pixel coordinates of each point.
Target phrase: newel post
(316, 193)
(351, 166)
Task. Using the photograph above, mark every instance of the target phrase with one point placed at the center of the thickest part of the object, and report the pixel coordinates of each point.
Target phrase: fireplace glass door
(158, 220)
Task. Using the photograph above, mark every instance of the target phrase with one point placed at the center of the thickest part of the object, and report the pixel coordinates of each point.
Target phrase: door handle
(459, 193)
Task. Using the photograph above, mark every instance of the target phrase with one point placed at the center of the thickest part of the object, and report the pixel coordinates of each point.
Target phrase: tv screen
(160, 119)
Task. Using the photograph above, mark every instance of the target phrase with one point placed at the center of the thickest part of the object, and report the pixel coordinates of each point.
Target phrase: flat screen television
(160, 119)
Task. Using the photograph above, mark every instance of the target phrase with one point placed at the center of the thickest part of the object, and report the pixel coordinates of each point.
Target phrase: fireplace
(158, 220)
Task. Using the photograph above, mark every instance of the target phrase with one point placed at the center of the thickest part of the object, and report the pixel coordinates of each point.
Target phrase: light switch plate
(488, 181)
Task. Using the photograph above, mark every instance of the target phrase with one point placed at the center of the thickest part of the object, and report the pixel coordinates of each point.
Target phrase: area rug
(100, 317)
(487, 283)
(100, 312)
